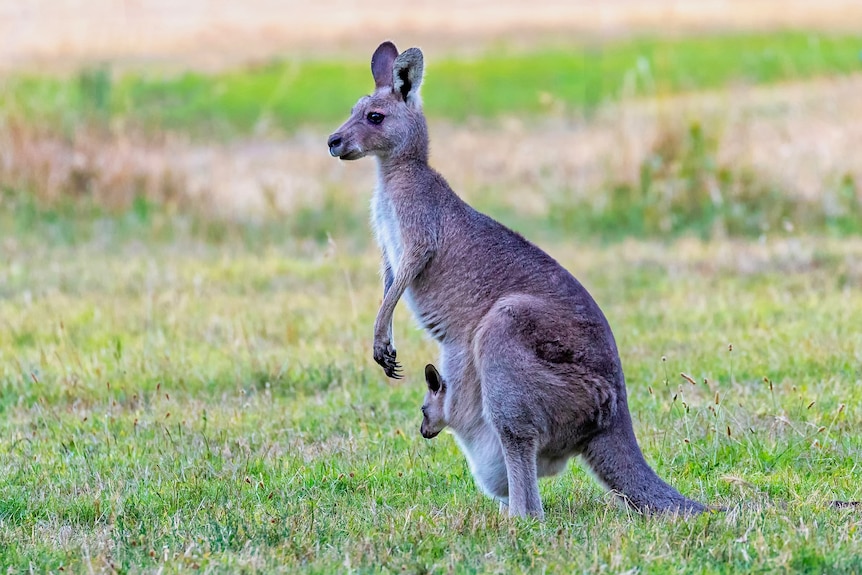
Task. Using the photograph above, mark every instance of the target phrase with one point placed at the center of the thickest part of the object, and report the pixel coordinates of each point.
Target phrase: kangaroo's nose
(334, 141)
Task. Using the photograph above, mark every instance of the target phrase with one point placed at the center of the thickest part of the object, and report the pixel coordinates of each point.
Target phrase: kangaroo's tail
(616, 458)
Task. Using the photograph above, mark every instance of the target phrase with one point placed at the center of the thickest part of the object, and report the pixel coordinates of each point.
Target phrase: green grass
(31, 222)
(175, 401)
(285, 95)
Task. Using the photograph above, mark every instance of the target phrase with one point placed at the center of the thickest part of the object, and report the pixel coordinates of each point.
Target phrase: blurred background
(605, 119)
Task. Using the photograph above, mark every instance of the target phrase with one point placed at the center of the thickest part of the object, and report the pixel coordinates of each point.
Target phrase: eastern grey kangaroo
(530, 365)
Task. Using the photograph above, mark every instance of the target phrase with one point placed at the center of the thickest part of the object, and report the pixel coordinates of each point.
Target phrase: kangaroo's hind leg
(519, 438)
(509, 409)
(536, 392)
(524, 498)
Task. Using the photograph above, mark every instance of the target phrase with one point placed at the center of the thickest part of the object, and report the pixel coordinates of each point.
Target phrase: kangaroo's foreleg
(388, 279)
(413, 261)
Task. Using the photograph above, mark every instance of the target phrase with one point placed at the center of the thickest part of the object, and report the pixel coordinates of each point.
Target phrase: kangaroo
(531, 369)
(433, 408)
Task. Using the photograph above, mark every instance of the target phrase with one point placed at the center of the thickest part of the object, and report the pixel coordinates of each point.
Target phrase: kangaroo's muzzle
(427, 431)
(344, 148)
(335, 143)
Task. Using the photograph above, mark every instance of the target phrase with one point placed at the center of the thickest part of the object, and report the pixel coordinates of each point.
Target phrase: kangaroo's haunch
(529, 370)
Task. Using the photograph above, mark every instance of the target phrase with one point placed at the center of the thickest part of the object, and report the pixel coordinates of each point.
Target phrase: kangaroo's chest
(390, 238)
(387, 230)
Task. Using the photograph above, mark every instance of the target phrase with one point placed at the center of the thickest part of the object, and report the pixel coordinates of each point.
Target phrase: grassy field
(287, 94)
(186, 403)
(186, 393)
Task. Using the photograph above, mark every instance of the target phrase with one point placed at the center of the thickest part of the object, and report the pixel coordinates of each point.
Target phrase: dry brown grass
(214, 33)
(797, 136)
(110, 168)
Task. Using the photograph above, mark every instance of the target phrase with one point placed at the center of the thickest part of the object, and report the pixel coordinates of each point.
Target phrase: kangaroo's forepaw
(384, 355)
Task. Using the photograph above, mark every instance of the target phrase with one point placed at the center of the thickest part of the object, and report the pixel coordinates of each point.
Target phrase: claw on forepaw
(384, 355)
(394, 370)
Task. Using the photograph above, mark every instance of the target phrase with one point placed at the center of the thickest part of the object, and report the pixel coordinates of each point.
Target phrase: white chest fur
(386, 228)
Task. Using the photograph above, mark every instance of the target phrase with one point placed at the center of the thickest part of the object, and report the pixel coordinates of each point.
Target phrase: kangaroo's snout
(344, 147)
(334, 142)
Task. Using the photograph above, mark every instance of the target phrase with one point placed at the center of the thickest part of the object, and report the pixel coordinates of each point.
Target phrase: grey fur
(531, 368)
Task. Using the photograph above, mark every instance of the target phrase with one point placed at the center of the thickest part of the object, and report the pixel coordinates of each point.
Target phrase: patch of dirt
(215, 33)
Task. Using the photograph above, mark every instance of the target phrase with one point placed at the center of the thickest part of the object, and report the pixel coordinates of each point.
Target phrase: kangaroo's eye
(375, 117)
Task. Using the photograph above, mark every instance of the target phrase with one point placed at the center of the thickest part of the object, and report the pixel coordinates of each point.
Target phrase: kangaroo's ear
(407, 75)
(381, 64)
(433, 379)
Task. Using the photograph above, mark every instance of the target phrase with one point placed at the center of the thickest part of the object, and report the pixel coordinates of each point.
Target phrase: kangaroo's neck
(397, 174)
(409, 184)
(409, 158)
(412, 152)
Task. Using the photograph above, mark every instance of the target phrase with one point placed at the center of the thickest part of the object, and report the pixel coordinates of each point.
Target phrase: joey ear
(381, 64)
(433, 379)
(407, 75)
